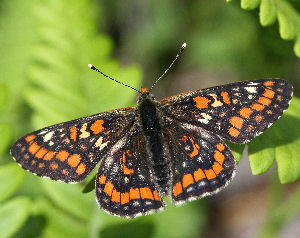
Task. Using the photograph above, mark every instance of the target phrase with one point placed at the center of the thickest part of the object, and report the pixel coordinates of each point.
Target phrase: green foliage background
(45, 47)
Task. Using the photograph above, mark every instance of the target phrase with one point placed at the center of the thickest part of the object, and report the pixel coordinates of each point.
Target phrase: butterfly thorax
(149, 120)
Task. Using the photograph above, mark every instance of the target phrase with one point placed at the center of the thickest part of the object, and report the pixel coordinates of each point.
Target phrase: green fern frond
(287, 16)
(280, 142)
(64, 87)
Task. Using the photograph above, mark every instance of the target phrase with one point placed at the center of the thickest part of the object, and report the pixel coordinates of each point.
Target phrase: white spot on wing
(84, 133)
(216, 103)
(100, 144)
(48, 136)
(251, 89)
(206, 118)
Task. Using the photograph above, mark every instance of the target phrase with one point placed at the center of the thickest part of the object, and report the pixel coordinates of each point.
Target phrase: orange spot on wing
(258, 118)
(187, 180)
(146, 193)
(134, 193)
(123, 167)
(269, 83)
(115, 197)
(156, 196)
(62, 155)
(217, 168)
(34, 148)
(257, 107)
(108, 188)
(220, 147)
(225, 97)
(124, 198)
(195, 149)
(236, 122)
(177, 189)
(199, 174)
(102, 179)
(97, 127)
(264, 101)
(81, 169)
(219, 157)
(210, 174)
(222, 114)
(184, 138)
(201, 102)
(53, 166)
(269, 93)
(41, 153)
(233, 132)
(245, 112)
(30, 138)
(49, 155)
(65, 172)
(73, 133)
(250, 128)
(74, 160)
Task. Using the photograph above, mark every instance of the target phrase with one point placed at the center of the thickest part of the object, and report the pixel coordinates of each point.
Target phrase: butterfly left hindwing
(70, 150)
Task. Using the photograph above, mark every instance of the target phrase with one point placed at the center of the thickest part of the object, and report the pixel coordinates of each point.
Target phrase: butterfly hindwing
(237, 112)
(70, 150)
(202, 162)
(124, 186)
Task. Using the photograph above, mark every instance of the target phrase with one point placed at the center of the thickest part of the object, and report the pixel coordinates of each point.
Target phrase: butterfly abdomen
(152, 129)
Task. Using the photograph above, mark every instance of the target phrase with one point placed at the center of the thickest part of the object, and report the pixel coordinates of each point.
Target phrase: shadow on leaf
(32, 228)
(133, 229)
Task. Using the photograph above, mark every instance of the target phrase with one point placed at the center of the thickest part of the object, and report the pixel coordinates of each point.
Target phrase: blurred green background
(45, 47)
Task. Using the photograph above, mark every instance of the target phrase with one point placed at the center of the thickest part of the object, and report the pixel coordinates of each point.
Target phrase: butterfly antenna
(94, 68)
(178, 54)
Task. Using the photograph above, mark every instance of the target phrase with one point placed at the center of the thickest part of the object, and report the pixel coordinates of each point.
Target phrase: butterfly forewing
(237, 112)
(124, 186)
(70, 150)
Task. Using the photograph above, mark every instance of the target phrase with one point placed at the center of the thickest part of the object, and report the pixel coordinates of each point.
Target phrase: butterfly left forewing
(69, 151)
(237, 112)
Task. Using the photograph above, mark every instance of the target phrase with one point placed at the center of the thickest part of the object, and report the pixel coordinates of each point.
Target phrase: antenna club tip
(91, 66)
(183, 45)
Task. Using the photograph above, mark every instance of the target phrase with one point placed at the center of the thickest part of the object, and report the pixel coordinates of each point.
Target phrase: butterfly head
(145, 95)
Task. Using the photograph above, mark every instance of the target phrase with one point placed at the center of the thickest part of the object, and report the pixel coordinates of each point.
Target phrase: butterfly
(171, 147)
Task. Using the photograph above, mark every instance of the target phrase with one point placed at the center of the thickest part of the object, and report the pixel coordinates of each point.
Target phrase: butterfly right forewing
(237, 112)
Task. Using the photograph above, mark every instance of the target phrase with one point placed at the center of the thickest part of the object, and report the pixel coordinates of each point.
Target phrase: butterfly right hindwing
(202, 162)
